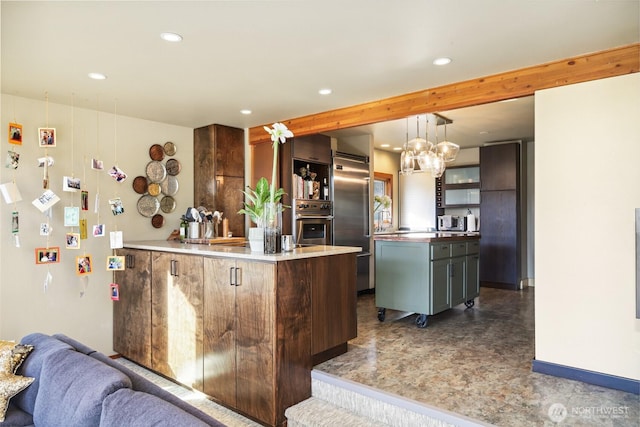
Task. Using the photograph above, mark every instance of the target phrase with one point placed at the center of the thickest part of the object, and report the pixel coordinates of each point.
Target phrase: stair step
(382, 407)
(315, 412)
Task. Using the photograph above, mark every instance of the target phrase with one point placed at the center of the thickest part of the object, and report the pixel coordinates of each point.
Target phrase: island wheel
(421, 321)
(470, 303)
(381, 314)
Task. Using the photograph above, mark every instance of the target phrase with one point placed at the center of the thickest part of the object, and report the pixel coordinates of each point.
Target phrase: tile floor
(475, 362)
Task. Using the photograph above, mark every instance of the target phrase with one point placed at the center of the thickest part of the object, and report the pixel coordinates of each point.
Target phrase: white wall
(587, 175)
(25, 306)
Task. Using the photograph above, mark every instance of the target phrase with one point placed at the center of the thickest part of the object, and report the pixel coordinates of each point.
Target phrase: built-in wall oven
(312, 222)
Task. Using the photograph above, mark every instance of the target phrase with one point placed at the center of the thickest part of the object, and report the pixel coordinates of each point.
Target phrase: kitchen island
(245, 328)
(426, 273)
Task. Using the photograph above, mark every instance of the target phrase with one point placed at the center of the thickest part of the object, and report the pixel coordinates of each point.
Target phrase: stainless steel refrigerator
(351, 217)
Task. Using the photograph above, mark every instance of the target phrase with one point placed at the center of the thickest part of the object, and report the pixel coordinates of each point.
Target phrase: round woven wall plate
(157, 221)
(167, 204)
(140, 184)
(169, 186)
(169, 148)
(148, 206)
(156, 152)
(156, 171)
(173, 167)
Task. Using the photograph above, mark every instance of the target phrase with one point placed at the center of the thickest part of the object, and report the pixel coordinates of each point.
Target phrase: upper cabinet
(500, 167)
(459, 187)
(218, 173)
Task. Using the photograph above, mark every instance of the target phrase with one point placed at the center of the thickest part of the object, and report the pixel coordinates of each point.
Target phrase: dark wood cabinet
(245, 332)
(133, 307)
(176, 314)
(500, 264)
(218, 175)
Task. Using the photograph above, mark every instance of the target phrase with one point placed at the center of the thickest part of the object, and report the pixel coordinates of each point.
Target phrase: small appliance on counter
(452, 223)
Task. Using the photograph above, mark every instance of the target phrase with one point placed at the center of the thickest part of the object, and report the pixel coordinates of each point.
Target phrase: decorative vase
(256, 239)
(272, 220)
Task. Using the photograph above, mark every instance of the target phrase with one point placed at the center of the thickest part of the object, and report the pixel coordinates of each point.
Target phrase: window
(382, 186)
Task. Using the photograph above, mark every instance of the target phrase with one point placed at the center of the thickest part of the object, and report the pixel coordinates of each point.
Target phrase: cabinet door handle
(237, 281)
(231, 282)
(129, 261)
(453, 270)
(174, 268)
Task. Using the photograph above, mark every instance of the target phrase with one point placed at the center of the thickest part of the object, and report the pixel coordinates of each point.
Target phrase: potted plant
(255, 200)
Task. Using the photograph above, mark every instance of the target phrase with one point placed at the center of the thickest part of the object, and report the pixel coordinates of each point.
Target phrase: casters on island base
(470, 303)
(381, 314)
(421, 321)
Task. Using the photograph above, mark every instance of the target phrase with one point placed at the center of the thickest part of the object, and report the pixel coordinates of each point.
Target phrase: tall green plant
(256, 198)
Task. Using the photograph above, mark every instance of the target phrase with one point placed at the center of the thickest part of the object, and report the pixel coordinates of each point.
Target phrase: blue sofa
(77, 386)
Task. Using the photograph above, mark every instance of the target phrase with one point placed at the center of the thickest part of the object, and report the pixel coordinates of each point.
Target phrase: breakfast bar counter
(245, 328)
(426, 273)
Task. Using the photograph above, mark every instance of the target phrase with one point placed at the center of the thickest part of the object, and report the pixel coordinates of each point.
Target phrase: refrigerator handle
(367, 217)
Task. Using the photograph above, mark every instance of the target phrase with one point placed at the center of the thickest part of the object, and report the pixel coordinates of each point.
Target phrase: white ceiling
(273, 56)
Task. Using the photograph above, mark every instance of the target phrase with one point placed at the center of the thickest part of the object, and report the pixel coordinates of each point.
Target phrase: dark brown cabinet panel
(218, 175)
(500, 167)
(132, 312)
(177, 325)
(500, 264)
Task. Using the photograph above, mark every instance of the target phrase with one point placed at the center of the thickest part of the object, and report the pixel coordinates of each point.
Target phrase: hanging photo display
(115, 239)
(10, 192)
(84, 200)
(47, 255)
(71, 216)
(118, 174)
(47, 137)
(72, 240)
(115, 291)
(83, 229)
(98, 230)
(97, 164)
(15, 222)
(45, 229)
(15, 133)
(83, 265)
(116, 206)
(13, 158)
(71, 184)
(46, 200)
(115, 262)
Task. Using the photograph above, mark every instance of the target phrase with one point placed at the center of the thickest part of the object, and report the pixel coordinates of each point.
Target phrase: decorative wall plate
(173, 167)
(154, 189)
(140, 184)
(156, 152)
(156, 171)
(148, 205)
(169, 186)
(169, 148)
(157, 221)
(167, 204)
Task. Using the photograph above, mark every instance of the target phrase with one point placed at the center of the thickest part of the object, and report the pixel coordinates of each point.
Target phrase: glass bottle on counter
(183, 228)
(325, 189)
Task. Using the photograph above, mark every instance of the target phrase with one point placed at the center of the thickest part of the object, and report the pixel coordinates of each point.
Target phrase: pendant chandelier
(429, 157)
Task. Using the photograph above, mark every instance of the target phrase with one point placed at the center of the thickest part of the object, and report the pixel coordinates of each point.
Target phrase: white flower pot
(256, 239)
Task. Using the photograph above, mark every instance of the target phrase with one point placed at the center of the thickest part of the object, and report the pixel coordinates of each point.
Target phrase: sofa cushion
(72, 389)
(82, 348)
(10, 383)
(16, 417)
(129, 408)
(43, 346)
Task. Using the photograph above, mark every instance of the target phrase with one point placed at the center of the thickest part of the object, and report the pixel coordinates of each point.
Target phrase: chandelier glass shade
(429, 157)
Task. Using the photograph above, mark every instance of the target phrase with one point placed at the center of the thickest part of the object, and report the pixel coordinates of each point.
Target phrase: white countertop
(230, 251)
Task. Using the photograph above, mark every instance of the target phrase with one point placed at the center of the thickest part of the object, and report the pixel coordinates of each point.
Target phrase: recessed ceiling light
(245, 112)
(171, 37)
(97, 76)
(384, 145)
(326, 91)
(397, 148)
(442, 61)
(484, 132)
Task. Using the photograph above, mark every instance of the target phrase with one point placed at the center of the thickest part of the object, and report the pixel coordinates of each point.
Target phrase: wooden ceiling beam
(497, 87)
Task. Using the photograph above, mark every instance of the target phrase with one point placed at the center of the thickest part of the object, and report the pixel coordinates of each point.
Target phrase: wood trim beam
(497, 87)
